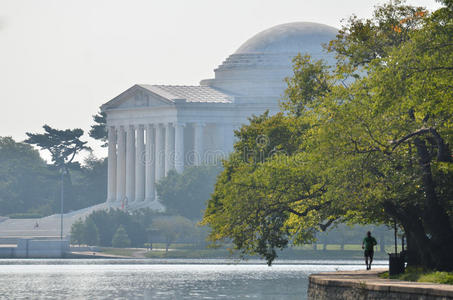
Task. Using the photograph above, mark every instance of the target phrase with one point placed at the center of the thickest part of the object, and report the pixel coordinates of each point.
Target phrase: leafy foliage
(77, 232)
(29, 187)
(373, 149)
(63, 145)
(88, 184)
(26, 184)
(120, 238)
(141, 227)
(98, 131)
(171, 228)
(186, 194)
(90, 233)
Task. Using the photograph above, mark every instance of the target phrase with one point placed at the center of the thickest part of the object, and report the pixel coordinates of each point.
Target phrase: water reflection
(95, 279)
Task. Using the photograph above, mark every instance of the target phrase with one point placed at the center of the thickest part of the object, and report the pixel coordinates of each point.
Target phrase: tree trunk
(436, 219)
(418, 245)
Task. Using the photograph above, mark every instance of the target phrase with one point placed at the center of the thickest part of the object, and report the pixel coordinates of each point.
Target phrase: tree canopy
(186, 194)
(63, 145)
(26, 184)
(30, 187)
(98, 130)
(365, 141)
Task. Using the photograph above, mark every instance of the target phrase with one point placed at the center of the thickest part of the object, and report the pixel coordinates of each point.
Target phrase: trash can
(396, 263)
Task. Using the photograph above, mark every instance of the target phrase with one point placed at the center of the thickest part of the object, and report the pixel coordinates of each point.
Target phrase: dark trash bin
(396, 263)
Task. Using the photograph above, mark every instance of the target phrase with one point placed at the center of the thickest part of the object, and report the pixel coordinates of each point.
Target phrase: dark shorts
(369, 253)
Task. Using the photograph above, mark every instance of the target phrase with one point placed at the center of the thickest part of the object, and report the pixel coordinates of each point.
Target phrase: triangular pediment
(137, 96)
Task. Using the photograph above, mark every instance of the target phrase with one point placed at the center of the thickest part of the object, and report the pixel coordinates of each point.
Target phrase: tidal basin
(161, 279)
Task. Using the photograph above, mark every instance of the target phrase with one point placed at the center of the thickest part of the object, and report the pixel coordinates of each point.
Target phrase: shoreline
(368, 285)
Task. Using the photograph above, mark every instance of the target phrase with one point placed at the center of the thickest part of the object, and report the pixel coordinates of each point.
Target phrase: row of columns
(140, 155)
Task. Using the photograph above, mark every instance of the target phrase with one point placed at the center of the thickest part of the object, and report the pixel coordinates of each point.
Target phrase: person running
(368, 244)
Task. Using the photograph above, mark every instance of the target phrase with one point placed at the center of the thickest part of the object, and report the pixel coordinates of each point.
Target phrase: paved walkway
(370, 280)
(94, 254)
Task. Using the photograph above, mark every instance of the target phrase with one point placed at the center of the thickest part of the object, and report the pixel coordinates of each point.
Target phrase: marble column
(160, 152)
(179, 147)
(140, 164)
(219, 138)
(169, 148)
(111, 185)
(130, 163)
(121, 165)
(150, 164)
(198, 143)
(228, 134)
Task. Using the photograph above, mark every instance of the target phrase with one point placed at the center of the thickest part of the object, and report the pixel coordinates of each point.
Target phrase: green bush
(121, 239)
(418, 274)
(437, 277)
(91, 233)
(77, 232)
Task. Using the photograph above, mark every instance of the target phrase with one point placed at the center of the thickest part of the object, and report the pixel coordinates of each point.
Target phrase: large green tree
(171, 228)
(367, 142)
(26, 184)
(98, 130)
(186, 194)
(63, 145)
(135, 224)
(89, 183)
(120, 238)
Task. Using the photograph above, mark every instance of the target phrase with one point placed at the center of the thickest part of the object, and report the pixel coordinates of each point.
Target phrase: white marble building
(156, 128)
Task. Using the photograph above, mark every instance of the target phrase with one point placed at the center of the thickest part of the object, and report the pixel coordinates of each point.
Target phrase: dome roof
(258, 68)
(289, 38)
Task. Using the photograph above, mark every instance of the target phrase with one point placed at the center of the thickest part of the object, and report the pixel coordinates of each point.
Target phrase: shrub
(121, 239)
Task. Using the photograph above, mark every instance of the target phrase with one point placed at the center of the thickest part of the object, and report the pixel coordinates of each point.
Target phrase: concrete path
(95, 254)
(370, 280)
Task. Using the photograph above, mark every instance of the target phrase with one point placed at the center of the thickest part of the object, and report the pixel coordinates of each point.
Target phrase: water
(160, 279)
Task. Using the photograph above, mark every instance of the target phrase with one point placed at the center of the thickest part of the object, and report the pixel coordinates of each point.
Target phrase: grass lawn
(118, 251)
(192, 253)
(186, 250)
(420, 275)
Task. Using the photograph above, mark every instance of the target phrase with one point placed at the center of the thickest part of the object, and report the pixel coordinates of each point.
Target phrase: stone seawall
(358, 285)
(27, 248)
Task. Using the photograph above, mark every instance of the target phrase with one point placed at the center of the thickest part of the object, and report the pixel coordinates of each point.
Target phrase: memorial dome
(289, 38)
(256, 71)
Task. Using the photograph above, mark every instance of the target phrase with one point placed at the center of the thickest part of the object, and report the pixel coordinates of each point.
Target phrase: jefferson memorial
(153, 129)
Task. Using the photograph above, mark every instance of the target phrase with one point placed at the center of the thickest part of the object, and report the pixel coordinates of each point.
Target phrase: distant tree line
(186, 194)
(30, 186)
(118, 228)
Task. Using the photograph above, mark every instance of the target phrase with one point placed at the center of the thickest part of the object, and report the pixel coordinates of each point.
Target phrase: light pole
(62, 171)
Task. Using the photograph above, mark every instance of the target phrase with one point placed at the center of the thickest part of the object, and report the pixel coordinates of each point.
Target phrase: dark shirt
(369, 243)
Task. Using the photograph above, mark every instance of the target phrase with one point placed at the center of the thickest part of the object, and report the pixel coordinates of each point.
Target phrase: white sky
(60, 59)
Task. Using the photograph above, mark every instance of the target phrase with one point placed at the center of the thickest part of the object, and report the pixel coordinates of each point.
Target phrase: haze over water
(160, 279)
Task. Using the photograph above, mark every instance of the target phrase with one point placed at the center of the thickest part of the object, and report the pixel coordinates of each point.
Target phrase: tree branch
(443, 151)
(410, 135)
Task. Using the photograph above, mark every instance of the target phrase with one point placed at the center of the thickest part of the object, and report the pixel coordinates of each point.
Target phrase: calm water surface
(160, 279)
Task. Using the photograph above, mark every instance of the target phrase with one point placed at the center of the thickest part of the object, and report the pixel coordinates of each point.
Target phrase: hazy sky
(60, 60)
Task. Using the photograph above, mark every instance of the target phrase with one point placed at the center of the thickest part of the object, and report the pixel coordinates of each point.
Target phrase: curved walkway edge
(351, 285)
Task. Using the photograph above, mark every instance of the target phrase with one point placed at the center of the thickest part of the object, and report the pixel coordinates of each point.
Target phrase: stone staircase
(49, 227)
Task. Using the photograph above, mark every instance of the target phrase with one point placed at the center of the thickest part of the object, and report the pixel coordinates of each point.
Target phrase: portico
(150, 133)
(136, 163)
(154, 129)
